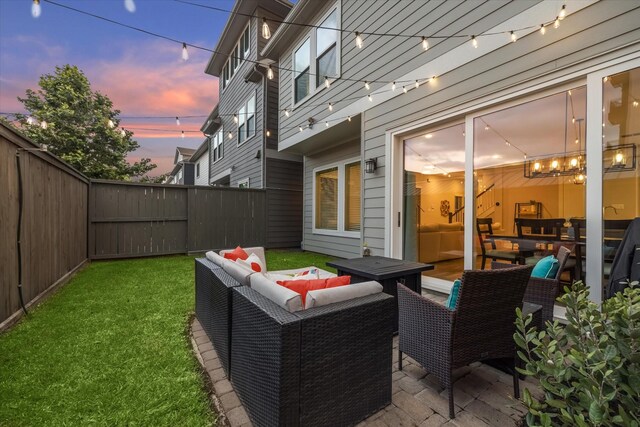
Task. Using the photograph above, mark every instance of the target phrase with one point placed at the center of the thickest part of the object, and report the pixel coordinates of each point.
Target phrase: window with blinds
(352, 197)
(327, 199)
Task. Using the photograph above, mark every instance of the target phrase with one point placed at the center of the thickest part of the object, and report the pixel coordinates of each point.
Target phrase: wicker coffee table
(387, 271)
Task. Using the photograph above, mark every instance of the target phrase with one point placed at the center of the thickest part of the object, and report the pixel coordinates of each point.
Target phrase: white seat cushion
(285, 298)
(322, 297)
(322, 273)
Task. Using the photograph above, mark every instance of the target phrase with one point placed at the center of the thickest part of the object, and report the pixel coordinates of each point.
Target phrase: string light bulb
(235, 118)
(182, 135)
(185, 53)
(36, 9)
(417, 84)
(177, 121)
(425, 44)
(327, 84)
(370, 98)
(130, 5)
(330, 107)
(543, 29)
(300, 128)
(358, 40)
(230, 135)
(44, 124)
(393, 86)
(286, 112)
(349, 118)
(404, 89)
(326, 124)
(474, 41)
(556, 23)
(514, 37)
(270, 73)
(573, 120)
(123, 133)
(30, 120)
(268, 132)
(110, 124)
(266, 31)
(563, 12)
(366, 85)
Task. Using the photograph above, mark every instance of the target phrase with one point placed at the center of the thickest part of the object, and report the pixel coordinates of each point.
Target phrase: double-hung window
(336, 198)
(217, 141)
(318, 56)
(237, 56)
(247, 120)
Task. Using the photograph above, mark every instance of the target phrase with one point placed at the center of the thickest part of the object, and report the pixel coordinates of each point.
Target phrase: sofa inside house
(440, 241)
(324, 359)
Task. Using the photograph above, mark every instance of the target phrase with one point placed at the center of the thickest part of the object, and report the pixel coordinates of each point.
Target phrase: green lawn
(112, 348)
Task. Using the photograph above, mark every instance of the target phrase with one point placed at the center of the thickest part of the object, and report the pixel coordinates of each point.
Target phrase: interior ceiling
(536, 128)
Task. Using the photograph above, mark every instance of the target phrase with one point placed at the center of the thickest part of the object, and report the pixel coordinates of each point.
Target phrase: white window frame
(237, 47)
(243, 118)
(198, 169)
(341, 165)
(312, 36)
(243, 183)
(217, 141)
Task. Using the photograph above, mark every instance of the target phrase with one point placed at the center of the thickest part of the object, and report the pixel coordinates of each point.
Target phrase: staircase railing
(485, 200)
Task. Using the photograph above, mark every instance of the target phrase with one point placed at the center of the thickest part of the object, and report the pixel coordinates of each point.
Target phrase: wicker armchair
(542, 291)
(480, 328)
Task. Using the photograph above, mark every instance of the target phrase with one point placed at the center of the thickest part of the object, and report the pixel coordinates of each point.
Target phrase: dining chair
(484, 226)
(543, 291)
(539, 230)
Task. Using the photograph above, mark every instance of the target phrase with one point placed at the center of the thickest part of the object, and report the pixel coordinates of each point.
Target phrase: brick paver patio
(483, 395)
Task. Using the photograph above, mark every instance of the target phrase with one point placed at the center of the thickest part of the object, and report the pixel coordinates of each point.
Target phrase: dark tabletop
(378, 267)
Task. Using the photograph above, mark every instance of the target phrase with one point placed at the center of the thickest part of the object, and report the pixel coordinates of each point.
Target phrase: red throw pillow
(304, 286)
(236, 253)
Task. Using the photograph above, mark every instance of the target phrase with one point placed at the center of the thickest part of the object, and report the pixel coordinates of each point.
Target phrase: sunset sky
(143, 75)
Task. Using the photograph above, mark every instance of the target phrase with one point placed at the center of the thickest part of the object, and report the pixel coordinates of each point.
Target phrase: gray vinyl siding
(241, 159)
(594, 35)
(387, 58)
(203, 161)
(284, 203)
(344, 247)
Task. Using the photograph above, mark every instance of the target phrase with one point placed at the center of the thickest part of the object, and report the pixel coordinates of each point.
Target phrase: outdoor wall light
(370, 165)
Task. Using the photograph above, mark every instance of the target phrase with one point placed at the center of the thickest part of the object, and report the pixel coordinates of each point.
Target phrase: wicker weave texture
(346, 360)
(265, 369)
(213, 307)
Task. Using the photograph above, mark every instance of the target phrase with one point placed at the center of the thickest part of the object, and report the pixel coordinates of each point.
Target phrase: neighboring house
(200, 161)
(183, 171)
(493, 108)
(243, 127)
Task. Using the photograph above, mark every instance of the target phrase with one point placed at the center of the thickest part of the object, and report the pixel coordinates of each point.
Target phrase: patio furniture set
(330, 363)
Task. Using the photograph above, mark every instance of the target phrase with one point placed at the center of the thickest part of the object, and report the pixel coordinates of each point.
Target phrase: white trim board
(545, 11)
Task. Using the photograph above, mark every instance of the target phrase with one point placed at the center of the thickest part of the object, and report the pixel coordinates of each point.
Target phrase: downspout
(262, 72)
(19, 232)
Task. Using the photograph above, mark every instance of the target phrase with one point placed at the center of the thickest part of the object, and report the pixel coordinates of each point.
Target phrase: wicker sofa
(328, 365)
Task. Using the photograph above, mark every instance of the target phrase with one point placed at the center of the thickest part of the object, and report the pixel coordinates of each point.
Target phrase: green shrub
(589, 369)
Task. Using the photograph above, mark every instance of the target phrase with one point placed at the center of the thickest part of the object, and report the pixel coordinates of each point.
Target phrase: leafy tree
(81, 126)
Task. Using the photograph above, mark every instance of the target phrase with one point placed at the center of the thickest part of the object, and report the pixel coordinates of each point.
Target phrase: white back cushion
(327, 296)
(285, 298)
(238, 272)
(258, 250)
(215, 258)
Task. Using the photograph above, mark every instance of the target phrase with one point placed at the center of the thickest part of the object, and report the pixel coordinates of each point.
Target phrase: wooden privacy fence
(132, 219)
(53, 237)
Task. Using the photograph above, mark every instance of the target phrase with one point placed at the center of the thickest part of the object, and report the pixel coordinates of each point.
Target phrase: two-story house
(407, 113)
(183, 169)
(243, 127)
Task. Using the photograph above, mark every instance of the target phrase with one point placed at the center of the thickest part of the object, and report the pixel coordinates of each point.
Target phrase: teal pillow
(450, 303)
(546, 268)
